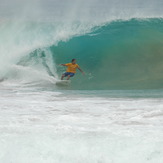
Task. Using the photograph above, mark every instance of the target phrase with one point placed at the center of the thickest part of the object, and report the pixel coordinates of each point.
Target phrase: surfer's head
(73, 61)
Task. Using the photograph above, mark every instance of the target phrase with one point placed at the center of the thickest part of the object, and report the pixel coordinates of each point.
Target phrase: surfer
(71, 69)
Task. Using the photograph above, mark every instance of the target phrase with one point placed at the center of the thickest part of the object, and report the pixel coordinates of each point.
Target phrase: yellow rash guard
(71, 67)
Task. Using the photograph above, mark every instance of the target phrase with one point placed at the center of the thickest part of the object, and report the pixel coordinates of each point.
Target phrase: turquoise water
(116, 55)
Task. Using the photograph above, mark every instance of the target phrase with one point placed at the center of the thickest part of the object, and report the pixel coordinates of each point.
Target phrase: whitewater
(113, 114)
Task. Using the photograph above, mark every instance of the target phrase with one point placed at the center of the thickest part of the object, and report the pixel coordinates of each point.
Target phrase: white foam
(43, 126)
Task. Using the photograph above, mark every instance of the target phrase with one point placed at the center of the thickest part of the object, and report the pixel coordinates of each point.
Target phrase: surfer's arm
(81, 70)
(63, 64)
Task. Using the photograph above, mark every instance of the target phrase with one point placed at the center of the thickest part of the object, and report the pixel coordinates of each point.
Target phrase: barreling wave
(116, 55)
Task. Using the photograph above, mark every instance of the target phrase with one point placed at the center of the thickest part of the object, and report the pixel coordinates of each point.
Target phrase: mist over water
(97, 10)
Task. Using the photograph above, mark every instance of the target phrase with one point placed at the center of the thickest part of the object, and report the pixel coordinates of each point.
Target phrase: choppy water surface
(77, 126)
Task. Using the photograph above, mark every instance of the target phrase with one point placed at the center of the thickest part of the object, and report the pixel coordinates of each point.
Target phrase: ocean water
(112, 114)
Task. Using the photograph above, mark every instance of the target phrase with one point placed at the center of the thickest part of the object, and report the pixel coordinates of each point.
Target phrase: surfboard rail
(63, 82)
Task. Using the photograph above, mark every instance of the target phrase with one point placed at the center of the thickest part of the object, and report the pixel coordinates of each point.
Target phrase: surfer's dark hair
(73, 60)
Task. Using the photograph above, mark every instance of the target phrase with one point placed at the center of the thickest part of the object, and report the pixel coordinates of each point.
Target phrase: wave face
(118, 55)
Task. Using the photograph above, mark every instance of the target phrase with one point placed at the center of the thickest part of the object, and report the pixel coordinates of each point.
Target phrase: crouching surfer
(71, 69)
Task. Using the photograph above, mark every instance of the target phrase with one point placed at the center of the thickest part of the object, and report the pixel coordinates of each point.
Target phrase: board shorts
(69, 73)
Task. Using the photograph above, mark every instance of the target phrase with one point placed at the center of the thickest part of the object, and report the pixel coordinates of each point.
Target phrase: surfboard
(63, 82)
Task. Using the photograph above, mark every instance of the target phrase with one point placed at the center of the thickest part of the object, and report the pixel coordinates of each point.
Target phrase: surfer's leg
(68, 77)
(62, 76)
